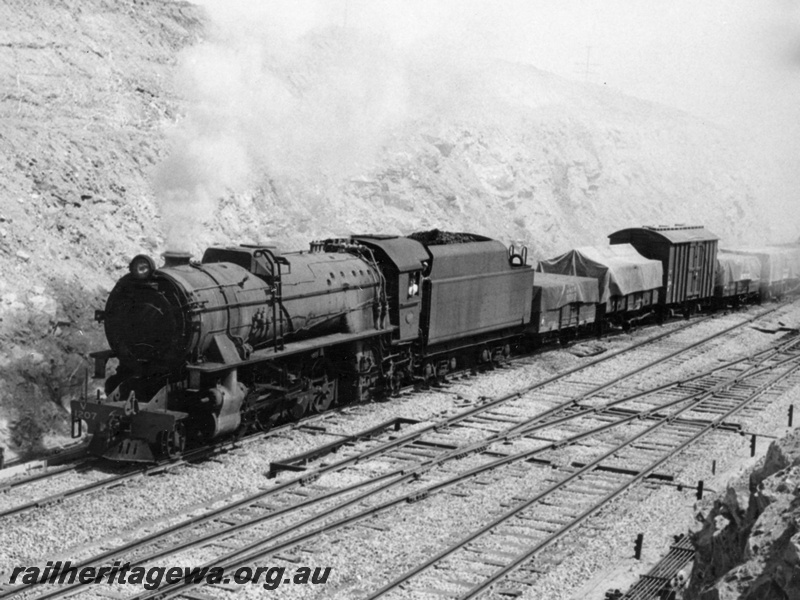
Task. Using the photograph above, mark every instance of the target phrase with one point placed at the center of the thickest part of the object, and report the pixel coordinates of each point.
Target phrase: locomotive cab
(402, 262)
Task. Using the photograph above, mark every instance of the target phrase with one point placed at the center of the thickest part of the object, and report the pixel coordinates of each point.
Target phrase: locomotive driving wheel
(322, 401)
(323, 392)
(256, 414)
(261, 421)
(395, 383)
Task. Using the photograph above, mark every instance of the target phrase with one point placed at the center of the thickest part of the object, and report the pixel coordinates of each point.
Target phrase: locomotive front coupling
(126, 430)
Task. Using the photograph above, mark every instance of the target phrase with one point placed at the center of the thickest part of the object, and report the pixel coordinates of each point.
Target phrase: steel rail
(533, 424)
(405, 474)
(657, 361)
(556, 535)
(60, 455)
(47, 473)
(583, 470)
(608, 498)
(121, 478)
(166, 465)
(244, 555)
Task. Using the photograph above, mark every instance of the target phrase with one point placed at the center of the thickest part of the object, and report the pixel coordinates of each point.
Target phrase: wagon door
(696, 262)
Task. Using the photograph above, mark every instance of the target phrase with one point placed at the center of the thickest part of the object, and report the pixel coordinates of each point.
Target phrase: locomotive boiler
(203, 346)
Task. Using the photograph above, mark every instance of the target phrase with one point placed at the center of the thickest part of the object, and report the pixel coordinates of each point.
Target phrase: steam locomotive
(250, 336)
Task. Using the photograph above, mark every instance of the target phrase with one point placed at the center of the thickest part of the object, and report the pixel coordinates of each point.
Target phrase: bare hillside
(104, 132)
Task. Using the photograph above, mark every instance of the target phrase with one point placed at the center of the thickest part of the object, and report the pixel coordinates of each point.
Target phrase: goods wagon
(627, 282)
(687, 254)
(738, 276)
(562, 303)
(780, 268)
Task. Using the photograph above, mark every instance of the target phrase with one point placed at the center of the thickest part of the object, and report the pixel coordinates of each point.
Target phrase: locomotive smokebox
(174, 258)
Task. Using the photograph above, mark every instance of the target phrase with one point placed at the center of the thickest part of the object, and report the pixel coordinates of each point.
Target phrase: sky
(733, 62)
(713, 58)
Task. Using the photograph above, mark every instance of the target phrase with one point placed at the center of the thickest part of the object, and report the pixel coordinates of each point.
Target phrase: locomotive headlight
(142, 266)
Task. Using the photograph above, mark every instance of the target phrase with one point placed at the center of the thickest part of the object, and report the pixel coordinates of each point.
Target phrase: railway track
(21, 473)
(580, 490)
(129, 474)
(47, 472)
(622, 478)
(418, 455)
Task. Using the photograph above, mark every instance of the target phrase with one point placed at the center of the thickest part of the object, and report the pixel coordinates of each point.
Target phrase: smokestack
(175, 259)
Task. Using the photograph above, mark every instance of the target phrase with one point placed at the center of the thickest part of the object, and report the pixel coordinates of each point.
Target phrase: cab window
(413, 284)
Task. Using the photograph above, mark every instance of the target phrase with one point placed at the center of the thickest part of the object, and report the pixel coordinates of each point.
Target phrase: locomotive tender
(250, 336)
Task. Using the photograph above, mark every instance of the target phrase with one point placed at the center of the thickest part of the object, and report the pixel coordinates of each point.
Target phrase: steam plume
(264, 103)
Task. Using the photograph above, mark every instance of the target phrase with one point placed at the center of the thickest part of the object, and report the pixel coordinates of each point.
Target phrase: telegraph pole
(587, 67)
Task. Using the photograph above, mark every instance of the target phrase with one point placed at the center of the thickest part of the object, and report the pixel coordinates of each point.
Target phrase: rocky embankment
(85, 91)
(95, 96)
(749, 545)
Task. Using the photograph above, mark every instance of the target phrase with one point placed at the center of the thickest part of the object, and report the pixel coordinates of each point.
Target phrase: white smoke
(273, 93)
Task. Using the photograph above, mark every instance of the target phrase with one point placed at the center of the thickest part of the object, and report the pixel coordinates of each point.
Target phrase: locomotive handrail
(197, 306)
(335, 315)
(383, 308)
(276, 290)
(277, 298)
(367, 254)
(265, 355)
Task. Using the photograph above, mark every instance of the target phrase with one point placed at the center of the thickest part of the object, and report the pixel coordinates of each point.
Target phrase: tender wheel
(428, 375)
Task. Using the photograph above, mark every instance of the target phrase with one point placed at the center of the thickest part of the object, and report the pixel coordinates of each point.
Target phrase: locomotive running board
(268, 354)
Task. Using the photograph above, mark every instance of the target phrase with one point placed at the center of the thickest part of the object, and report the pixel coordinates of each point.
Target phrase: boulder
(748, 547)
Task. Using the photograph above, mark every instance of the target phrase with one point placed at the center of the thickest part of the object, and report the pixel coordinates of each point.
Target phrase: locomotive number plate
(86, 415)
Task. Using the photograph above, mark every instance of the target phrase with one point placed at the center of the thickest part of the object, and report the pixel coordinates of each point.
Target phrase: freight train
(250, 336)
